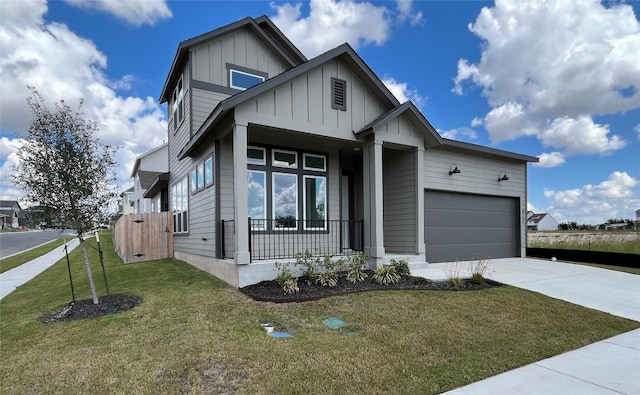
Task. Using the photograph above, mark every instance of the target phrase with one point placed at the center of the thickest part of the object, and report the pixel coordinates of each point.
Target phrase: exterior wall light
(453, 169)
(503, 176)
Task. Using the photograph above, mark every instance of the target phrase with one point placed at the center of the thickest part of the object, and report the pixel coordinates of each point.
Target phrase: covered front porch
(321, 195)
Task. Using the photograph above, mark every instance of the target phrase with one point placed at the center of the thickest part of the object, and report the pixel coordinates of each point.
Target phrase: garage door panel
(465, 226)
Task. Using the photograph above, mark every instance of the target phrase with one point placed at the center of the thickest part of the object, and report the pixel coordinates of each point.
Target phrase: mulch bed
(270, 291)
(81, 309)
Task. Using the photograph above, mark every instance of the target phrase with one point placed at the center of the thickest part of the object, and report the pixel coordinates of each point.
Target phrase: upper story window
(243, 80)
(256, 156)
(177, 105)
(282, 158)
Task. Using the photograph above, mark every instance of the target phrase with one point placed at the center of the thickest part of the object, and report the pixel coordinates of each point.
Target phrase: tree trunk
(92, 285)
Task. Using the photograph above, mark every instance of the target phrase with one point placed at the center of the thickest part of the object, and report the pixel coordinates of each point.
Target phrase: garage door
(464, 226)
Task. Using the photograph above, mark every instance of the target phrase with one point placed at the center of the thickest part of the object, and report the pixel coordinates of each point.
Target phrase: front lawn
(194, 334)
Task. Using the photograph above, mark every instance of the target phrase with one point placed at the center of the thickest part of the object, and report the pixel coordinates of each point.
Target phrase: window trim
(209, 176)
(273, 200)
(193, 181)
(264, 198)
(242, 88)
(200, 175)
(306, 155)
(180, 197)
(264, 156)
(283, 166)
(304, 201)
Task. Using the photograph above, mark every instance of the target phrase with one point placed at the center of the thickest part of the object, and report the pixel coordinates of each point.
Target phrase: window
(256, 156)
(194, 181)
(208, 171)
(315, 195)
(177, 107)
(285, 200)
(283, 193)
(314, 162)
(180, 206)
(287, 159)
(338, 94)
(257, 197)
(200, 176)
(243, 80)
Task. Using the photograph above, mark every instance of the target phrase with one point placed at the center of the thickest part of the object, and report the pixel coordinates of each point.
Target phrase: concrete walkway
(11, 279)
(610, 366)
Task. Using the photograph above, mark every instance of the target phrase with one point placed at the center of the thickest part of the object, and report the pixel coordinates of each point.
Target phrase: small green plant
(401, 267)
(477, 278)
(386, 275)
(285, 279)
(327, 279)
(354, 265)
(311, 266)
(331, 269)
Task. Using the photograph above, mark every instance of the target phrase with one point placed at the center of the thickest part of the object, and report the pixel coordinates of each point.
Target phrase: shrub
(401, 267)
(454, 272)
(310, 265)
(286, 280)
(455, 282)
(386, 275)
(480, 269)
(477, 278)
(354, 265)
(327, 279)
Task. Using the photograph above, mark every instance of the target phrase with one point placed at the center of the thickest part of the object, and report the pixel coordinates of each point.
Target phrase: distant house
(637, 223)
(10, 214)
(616, 226)
(542, 221)
(126, 202)
(149, 169)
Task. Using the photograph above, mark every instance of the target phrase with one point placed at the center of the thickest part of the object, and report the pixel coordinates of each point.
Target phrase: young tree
(67, 170)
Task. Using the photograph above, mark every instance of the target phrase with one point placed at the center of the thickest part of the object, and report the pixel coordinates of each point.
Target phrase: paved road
(14, 242)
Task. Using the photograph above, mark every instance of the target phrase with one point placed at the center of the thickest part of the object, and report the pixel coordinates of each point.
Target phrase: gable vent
(338, 94)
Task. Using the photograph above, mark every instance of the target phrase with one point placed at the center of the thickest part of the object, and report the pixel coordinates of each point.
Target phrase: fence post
(249, 238)
(222, 234)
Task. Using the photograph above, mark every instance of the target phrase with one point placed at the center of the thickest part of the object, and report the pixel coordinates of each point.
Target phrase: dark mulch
(81, 309)
(270, 291)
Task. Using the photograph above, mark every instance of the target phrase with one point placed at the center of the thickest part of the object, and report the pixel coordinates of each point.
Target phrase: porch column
(373, 208)
(419, 155)
(240, 194)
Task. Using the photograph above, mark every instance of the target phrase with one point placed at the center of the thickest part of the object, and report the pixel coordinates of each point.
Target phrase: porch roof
(344, 52)
(431, 136)
(158, 184)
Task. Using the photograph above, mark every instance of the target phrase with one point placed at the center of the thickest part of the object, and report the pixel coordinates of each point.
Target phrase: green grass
(632, 270)
(17, 260)
(194, 334)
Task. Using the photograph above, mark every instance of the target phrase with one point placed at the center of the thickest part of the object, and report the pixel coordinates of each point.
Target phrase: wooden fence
(144, 237)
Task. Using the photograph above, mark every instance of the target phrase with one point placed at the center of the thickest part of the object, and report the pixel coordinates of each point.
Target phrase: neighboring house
(127, 200)
(542, 221)
(272, 154)
(11, 214)
(637, 222)
(147, 170)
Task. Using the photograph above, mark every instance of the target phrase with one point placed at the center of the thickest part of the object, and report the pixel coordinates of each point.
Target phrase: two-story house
(272, 154)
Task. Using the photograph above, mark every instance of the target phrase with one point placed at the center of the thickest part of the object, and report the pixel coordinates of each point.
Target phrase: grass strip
(17, 260)
(192, 333)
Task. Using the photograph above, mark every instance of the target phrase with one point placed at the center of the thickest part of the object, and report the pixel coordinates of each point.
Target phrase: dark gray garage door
(462, 227)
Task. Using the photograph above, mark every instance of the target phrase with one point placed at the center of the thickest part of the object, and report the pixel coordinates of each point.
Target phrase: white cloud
(334, 22)
(550, 159)
(594, 204)
(134, 12)
(580, 61)
(459, 134)
(477, 122)
(401, 91)
(637, 129)
(593, 138)
(62, 65)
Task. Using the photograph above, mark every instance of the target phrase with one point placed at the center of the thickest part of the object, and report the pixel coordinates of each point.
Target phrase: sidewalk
(610, 366)
(11, 279)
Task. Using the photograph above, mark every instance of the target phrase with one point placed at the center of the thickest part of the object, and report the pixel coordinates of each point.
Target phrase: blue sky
(553, 79)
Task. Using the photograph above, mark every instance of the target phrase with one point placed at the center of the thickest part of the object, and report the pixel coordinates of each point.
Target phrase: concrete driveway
(610, 366)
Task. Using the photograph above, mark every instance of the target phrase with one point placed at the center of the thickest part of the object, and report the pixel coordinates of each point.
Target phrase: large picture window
(285, 200)
(285, 193)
